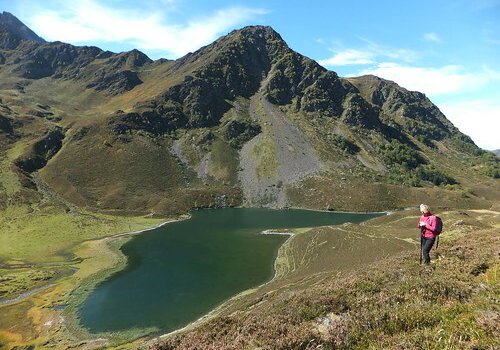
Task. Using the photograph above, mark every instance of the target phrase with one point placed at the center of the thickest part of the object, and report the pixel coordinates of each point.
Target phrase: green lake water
(178, 272)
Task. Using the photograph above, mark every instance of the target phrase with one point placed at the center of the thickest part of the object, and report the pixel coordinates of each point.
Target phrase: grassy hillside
(246, 119)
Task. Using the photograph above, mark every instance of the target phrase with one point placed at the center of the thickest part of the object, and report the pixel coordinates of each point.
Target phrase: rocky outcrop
(41, 151)
(125, 60)
(114, 83)
(409, 111)
(233, 66)
(118, 73)
(237, 66)
(230, 67)
(57, 59)
(9, 123)
(6, 124)
(358, 112)
(237, 132)
(310, 88)
(113, 74)
(155, 120)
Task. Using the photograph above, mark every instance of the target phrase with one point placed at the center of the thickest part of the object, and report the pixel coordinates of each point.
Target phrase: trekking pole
(421, 242)
(437, 242)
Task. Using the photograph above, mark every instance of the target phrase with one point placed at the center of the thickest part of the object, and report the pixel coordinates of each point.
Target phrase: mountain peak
(257, 30)
(13, 31)
(258, 35)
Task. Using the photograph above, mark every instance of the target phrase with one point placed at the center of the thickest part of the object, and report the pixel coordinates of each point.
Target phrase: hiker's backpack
(439, 225)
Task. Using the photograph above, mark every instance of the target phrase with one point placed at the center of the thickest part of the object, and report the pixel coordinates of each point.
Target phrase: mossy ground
(224, 162)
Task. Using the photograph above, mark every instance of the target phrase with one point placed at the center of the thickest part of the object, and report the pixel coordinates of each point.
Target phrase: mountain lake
(179, 272)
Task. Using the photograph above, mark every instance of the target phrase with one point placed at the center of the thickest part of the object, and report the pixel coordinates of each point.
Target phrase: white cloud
(433, 81)
(205, 30)
(381, 51)
(432, 37)
(368, 55)
(81, 22)
(349, 57)
(480, 119)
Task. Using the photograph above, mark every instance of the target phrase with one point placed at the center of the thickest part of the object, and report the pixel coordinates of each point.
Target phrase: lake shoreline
(105, 271)
(112, 244)
(217, 310)
(72, 290)
(365, 289)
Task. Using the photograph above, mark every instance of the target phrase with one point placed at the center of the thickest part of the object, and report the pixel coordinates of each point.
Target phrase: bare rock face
(238, 133)
(116, 82)
(37, 61)
(114, 75)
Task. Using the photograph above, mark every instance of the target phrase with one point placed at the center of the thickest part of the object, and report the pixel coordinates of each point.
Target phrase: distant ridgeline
(244, 120)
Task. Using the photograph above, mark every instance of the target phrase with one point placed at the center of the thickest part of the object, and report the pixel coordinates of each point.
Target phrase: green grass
(14, 282)
(224, 162)
(265, 152)
(47, 235)
(9, 182)
(331, 191)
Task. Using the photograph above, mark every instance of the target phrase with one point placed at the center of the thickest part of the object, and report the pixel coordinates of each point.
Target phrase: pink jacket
(430, 225)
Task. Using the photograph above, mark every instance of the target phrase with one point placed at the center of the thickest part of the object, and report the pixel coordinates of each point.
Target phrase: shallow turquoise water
(180, 271)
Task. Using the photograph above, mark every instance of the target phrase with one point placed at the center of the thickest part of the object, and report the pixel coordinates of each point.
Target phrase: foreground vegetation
(392, 304)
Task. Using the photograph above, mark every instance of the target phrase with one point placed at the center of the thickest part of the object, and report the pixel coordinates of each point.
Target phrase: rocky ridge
(244, 116)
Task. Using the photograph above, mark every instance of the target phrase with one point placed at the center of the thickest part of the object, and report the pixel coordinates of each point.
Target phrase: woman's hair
(424, 208)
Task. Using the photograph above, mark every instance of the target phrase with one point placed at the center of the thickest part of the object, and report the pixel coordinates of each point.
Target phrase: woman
(427, 225)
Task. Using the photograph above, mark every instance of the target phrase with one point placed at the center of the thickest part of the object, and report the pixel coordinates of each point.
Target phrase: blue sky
(447, 49)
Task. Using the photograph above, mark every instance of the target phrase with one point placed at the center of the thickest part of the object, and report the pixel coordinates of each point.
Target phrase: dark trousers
(427, 244)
